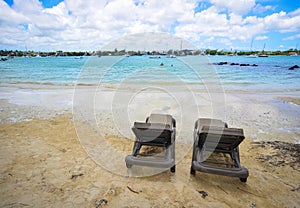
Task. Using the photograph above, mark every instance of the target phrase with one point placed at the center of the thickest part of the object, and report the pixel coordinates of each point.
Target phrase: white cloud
(212, 23)
(235, 6)
(225, 41)
(81, 24)
(27, 6)
(282, 22)
(295, 13)
(258, 9)
(10, 16)
(209, 40)
(235, 19)
(262, 37)
(149, 41)
(293, 37)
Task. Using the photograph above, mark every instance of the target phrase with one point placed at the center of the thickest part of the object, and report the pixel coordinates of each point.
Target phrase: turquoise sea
(271, 73)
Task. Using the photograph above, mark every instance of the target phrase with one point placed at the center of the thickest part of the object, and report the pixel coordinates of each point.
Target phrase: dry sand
(39, 157)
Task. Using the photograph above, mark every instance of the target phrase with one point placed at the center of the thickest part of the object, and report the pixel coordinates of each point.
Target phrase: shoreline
(116, 84)
(37, 169)
(272, 115)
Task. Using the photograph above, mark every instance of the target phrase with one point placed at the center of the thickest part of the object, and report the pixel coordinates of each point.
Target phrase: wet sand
(295, 101)
(39, 158)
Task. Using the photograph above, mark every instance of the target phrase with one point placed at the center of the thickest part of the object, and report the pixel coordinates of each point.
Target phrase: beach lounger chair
(213, 143)
(158, 131)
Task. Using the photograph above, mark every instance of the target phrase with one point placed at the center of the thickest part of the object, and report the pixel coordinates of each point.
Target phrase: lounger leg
(244, 180)
(128, 165)
(192, 171)
(236, 157)
(196, 137)
(173, 168)
(136, 148)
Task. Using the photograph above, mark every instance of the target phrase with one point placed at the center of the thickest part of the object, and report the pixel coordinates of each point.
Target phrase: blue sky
(89, 25)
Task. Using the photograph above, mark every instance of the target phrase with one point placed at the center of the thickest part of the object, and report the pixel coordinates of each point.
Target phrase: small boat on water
(171, 56)
(263, 55)
(293, 54)
(262, 52)
(252, 56)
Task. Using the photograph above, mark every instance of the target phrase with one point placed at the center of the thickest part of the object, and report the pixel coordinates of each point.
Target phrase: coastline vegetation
(116, 52)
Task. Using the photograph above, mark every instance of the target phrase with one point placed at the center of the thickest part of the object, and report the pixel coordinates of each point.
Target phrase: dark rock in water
(221, 63)
(3, 59)
(233, 64)
(294, 67)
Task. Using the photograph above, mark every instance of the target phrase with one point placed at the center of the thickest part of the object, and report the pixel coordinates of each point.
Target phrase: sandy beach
(39, 158)
(44, 164)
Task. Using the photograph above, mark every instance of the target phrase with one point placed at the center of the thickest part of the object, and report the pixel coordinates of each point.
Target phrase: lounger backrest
(162, 119)
(152, 132)
(219, 138)
(209, 122)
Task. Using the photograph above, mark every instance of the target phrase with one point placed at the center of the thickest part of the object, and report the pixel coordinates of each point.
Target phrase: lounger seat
(158, 131)
(213, 137)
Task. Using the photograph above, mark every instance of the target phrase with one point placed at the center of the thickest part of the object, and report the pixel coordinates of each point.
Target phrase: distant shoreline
(211, 52)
